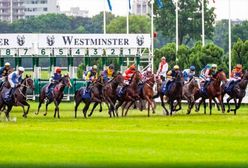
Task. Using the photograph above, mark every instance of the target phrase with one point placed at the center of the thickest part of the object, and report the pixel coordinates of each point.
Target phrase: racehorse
(238, 92)
(110, 93)
(189, 90)
(56, 95)
(213, 90)
(19, 96)
(130, 95)
(96, 96)
(145, 91)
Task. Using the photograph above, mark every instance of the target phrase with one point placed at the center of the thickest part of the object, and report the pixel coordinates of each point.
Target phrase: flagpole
(104, 17)
(230, 35)
(152, 36)
(203, 24)
(11, 11)
(177, 42)
(128, 29)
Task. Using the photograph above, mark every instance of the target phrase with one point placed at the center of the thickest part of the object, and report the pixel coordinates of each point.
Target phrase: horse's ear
(27, 76)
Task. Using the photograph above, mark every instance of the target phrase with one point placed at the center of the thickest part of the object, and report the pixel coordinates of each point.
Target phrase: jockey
(236, 75)
(162, 69)
(208, 75)
(171, 75)
(54, 79)
(147, 74)
(108, 73)
(129, 73)
(91, 76)
(189, 73)
(4, 70)
(15, 79)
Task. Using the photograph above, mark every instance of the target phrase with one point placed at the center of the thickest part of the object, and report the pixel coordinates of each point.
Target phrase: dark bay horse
(131, 94)
(238, 92)
(213, 90)
(96, 97)
(19, 96)
(175, 93)
(110, 92)
(56, 96)
(189, 90)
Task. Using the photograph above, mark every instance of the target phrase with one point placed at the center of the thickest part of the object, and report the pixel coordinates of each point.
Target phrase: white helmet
(94, 67)
(149, 69)
(21, 69)
(7, 64)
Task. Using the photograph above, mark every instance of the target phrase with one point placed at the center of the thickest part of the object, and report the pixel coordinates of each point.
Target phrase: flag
(109, 4)
(129, 1)
(160, 4)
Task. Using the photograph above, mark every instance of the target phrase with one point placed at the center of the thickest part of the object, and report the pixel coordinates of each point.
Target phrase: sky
(239, 8)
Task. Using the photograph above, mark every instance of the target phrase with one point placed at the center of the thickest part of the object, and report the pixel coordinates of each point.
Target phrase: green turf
(198, 140)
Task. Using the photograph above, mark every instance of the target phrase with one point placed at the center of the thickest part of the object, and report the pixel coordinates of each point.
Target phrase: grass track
(198, 140)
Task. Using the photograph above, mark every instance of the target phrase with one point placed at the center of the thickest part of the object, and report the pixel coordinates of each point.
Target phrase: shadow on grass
(131, 165)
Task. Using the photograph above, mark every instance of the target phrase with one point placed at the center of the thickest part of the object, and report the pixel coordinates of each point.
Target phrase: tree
(240, 53)
(137, 24)
(189, 20)
(221, 34)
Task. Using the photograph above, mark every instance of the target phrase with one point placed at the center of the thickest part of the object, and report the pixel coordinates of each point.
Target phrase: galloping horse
(130, 95)
(189, 90)
(238, 92)
(175, 93)
(19, 96)
(96, 96)
(214, 90)
(56, 96)
(109, 92)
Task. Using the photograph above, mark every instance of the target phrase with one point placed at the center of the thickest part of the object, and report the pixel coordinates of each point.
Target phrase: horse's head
(137, 76)
(194, 82)
(66, 80)
(220, 75)
(119, 78)
(28, 82)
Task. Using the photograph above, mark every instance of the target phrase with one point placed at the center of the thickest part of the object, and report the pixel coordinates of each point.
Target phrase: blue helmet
(192, 68)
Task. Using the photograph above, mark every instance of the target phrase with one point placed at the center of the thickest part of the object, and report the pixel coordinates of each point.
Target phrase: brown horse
(238, 92)
(56, 96)
(96, 96)
(189, 90)
(214, 90)
(130, 95)
(145, 91)
(110, 93)
(19, 96)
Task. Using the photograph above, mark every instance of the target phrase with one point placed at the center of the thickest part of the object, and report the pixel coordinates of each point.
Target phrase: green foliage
(198, 56)
(240, 53)
(137, 24)
(80, 71)
(190, 26)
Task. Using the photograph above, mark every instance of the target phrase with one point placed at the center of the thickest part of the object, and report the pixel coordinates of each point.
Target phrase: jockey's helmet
(214, 66)
(176, 67)
(7, 64)
(192, 68)
(111, 66)
(94, 67)
(163, 58)
(133, 67)
(239, 66)
(21, 69)
(58, 70)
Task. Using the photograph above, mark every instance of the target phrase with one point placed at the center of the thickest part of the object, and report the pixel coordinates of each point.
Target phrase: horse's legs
(129, 105)
(180, 105)
(26, 104)
(210, 105)
(40, 103)
(123, 108)
(47, 103)
(228, 104)
(197, 109)
(163, 104)
(9, 107)
(85, 109)
(59, 101)
(238, 106)
(235, 103)
(117, 106)
(205, 106)
(217, 104)
(171, 106)
(100, 110)
(221, 103)
(77, 102)
(150, 103)
(93, 108)
(20, 104)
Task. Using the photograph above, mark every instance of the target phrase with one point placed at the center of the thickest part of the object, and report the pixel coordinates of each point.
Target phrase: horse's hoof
(89, 115)
(228, 111)
(36, 113)
(44, 114)
(24, 116)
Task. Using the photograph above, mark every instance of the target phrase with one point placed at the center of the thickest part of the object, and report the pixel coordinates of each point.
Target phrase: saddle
(121, 90)
(85, 94)
(166, 87)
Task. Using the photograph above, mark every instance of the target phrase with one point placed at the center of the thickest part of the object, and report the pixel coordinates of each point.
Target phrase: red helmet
(133, 67)
(58, 70)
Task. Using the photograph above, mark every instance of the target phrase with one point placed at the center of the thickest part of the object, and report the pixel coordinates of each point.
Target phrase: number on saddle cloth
(85, 93)
(121, 90)
(166, 86)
